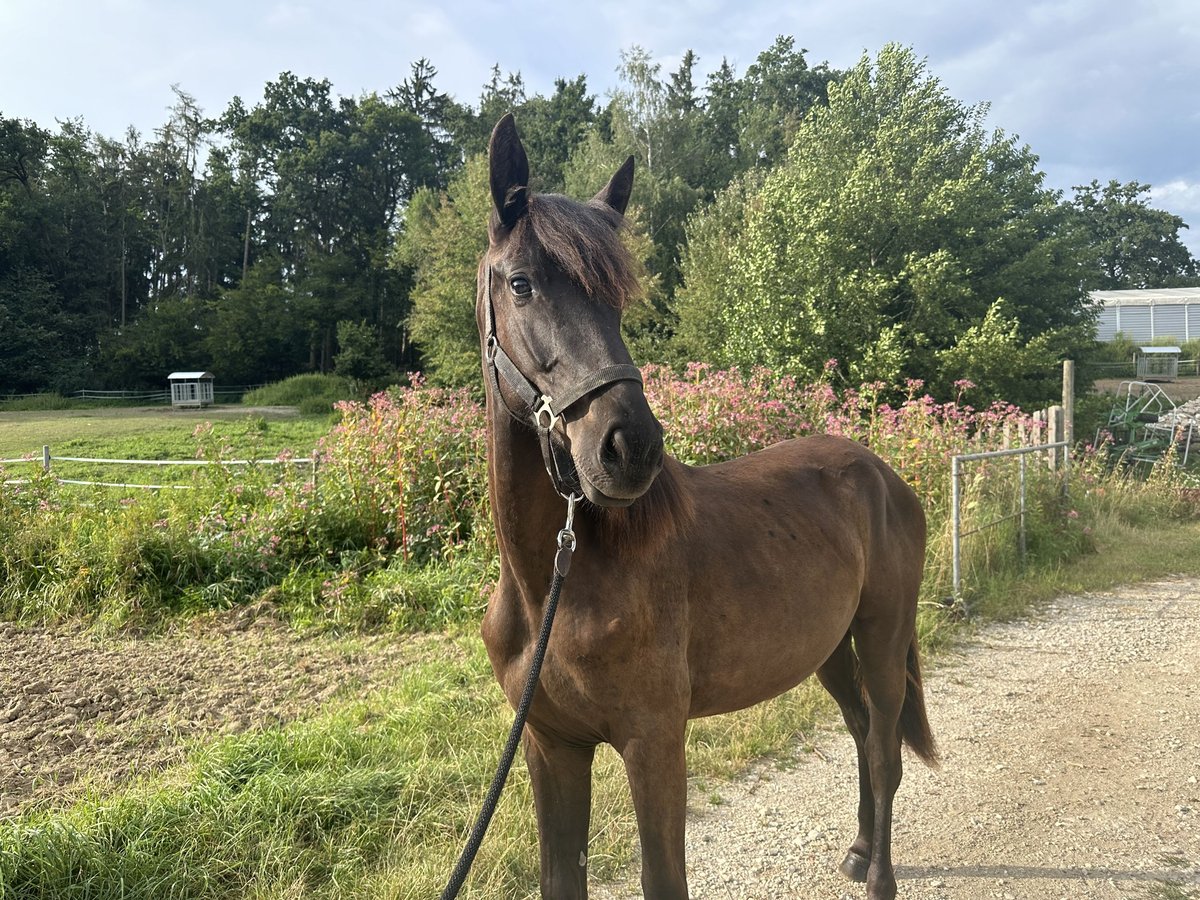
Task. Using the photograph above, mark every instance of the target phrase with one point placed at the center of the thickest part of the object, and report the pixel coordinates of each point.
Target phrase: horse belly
(749, 652)
(766, 618)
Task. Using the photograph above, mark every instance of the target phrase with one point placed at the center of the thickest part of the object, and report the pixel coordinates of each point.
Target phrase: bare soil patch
(77, 709)
(1180, 390)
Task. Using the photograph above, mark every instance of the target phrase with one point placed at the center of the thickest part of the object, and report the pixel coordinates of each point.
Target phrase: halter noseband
(544, 411)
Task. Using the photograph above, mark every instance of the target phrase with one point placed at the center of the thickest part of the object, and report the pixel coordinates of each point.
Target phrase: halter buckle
(546, 407)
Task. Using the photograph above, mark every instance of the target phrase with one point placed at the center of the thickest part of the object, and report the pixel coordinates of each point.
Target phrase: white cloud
(1182, 198)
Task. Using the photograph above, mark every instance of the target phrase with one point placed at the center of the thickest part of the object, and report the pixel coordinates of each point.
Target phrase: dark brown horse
(695, 591)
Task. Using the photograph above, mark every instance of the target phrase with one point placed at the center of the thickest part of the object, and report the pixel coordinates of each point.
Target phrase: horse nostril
(616, 446)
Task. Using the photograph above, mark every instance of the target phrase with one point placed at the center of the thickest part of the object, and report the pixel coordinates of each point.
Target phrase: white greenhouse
(1149, 316)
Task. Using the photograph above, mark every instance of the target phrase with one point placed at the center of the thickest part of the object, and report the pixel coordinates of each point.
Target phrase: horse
(696, 590)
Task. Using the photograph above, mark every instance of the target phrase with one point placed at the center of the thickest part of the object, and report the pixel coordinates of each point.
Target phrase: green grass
(372, 797)
(150, 434)
(312, 394)
(368, 799)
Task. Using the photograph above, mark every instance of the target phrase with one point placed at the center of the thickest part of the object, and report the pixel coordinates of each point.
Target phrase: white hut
(1158, 363)
(191, 388)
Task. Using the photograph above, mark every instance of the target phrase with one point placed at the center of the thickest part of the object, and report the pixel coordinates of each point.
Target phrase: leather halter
(543, 411)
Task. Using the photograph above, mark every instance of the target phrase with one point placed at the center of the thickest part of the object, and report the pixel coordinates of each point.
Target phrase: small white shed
(191, 388)
(1158, 363)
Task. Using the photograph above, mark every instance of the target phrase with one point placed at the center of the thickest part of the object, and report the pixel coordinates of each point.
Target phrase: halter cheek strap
(543, 411)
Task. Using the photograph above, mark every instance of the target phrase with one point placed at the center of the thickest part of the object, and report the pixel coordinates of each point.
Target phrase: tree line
(788, 215)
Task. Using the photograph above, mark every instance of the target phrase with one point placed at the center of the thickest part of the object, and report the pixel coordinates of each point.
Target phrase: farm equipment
(1145, 423)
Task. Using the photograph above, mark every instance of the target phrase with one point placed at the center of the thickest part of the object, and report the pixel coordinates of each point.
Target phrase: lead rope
(562, 564)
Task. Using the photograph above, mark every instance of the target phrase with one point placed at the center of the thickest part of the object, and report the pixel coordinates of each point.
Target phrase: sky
(1099, 89)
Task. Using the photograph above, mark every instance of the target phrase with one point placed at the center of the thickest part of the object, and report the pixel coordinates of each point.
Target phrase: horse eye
(520, 285)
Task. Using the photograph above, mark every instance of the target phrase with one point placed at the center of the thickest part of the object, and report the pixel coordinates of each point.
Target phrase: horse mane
(584, 240)
(644, 527)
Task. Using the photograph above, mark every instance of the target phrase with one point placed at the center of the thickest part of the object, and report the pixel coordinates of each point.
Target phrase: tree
(656, 125)
(774, 95)
(444, 236)
(892, 228)
(325, 181)
(436, 111)
(1133, 244)
(707, 274)
(56, 280)
(360, 356)
(552, 128)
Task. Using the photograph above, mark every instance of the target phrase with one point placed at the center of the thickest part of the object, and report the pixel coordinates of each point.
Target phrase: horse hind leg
(840, 676)
(883, 651)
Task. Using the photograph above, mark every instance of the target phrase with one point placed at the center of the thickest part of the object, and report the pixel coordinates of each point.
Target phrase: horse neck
(526, 510)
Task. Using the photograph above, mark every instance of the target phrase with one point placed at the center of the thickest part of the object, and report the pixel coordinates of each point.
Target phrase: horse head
(552, 286)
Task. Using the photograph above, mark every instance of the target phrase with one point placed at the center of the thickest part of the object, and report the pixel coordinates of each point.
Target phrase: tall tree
(437, 112)
(443, 238)
(553, 128)
(894, 226)
(1134, 245)
(775, 94)
(325, 181)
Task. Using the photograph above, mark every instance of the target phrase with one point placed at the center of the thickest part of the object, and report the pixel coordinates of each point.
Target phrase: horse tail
(914, 723)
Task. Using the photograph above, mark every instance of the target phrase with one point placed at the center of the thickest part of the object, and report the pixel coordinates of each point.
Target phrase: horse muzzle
(618, 455)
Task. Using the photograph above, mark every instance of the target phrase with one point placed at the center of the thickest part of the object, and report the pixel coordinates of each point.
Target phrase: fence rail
(46, 460)
(956, 467)
(87, 394)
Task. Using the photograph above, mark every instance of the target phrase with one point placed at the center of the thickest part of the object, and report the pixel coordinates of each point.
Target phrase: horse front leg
(561, 776)
(657, 772)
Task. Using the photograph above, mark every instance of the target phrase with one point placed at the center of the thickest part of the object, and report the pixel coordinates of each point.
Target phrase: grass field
(151, 432)
(370, 796)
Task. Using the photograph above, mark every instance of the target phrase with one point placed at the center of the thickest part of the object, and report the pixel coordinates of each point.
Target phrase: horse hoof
(855, 866)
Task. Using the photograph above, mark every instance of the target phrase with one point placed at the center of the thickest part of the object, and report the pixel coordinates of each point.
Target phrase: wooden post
(1068, 401)
(1054, 433)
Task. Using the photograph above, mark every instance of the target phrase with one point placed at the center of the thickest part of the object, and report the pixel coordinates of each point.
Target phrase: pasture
(153, 432)
(362, 785)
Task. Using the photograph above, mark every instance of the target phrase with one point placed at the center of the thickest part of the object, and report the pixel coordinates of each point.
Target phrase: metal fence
(956, 485)
(46, 461)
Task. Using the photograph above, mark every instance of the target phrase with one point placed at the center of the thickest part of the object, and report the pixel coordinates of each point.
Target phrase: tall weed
(392, 528)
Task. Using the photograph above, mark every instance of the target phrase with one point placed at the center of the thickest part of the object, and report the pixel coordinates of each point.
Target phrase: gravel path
(1071, 745)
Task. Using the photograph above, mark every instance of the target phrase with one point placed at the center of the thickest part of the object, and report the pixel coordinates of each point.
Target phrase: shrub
(405, 471)
(37, 403)
(312, 394)
(394, 530)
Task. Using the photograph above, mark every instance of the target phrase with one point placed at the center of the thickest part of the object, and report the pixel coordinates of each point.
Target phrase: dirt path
(1071, 748)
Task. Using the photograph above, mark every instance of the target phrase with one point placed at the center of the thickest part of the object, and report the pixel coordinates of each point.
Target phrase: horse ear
(620, 186)
(509, 172)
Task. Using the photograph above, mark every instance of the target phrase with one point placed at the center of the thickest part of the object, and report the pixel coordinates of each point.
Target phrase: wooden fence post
(1068, 400)
(1055, 422)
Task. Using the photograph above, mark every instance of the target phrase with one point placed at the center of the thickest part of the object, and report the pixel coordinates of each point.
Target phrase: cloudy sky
(1100, 89)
